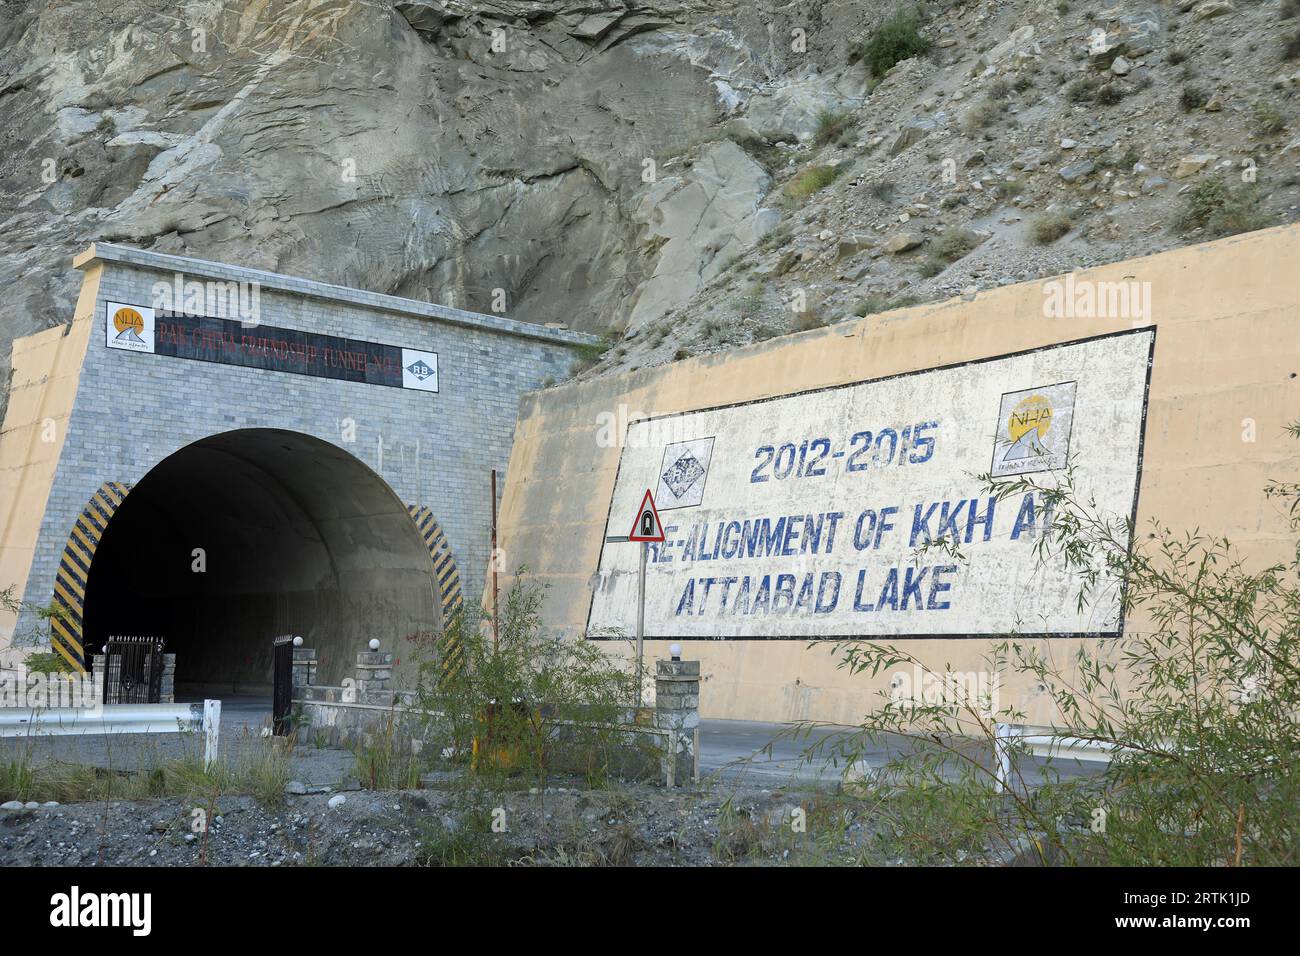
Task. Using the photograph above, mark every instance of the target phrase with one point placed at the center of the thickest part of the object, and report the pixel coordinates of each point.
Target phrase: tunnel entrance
(250, 534)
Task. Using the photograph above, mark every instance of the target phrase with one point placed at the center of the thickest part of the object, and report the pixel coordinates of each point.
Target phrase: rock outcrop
(688, 170)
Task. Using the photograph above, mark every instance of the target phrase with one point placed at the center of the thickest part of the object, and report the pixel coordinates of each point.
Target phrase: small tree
(1199, 708)
(529, 702)
(898, 39)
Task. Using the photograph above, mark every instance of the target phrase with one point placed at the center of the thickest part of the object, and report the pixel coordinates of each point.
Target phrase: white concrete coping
(162, 262)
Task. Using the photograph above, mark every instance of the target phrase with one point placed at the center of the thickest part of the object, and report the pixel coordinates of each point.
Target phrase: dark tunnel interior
(250, 534)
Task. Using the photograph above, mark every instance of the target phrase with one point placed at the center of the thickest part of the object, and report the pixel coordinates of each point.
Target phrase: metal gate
(282, 685)
(133, 670)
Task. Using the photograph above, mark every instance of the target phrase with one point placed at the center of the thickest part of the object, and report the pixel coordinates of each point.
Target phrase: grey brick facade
(436, 449)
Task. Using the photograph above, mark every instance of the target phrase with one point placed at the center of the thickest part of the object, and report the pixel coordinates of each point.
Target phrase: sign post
(646, 528)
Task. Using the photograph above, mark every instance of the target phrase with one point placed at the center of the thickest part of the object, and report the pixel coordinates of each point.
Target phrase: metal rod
(496, 636)
(695, 755)
(640, 623)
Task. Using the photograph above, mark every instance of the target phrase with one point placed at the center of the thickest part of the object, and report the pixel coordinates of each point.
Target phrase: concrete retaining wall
(1223, 384)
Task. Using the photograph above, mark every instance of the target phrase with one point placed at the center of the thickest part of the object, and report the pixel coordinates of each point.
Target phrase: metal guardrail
(1043, 742)
(118, 719)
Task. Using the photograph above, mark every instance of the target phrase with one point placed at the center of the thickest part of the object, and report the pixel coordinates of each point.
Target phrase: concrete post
(677, 710)
(374, 678)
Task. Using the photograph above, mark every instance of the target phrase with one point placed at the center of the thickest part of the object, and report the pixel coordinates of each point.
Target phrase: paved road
(736, 750)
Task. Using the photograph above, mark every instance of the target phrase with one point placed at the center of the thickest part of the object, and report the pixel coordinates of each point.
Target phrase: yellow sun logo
(128, 318)
(1030, 414)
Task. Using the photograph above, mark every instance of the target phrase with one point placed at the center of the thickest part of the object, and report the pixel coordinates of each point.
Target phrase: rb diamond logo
(420, 370)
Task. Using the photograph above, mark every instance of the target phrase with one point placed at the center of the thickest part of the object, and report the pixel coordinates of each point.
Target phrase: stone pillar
(677, 710)
(167, 689)
(304, 670)
(374, 678)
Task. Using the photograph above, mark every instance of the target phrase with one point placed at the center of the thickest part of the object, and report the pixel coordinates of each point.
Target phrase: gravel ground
(626, 825)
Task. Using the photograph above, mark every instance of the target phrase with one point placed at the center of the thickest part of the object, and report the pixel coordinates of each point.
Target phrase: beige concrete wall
(1227, 351)
(46, 372)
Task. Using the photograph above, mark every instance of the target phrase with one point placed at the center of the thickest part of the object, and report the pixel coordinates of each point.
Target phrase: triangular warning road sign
(647, 526)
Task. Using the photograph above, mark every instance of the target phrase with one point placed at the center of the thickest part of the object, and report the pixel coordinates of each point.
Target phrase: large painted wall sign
(808, 515)
(138, 328)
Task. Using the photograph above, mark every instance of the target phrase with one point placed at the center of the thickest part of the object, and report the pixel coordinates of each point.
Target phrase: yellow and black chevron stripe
(447, 578)
(74, 569)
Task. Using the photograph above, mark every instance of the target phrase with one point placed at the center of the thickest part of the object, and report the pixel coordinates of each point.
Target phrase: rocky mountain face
(680, 176)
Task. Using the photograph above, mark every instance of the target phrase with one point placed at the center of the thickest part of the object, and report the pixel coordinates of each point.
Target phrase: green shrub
(982, 114)
(953, 244)
(587, 356)
(898, 39)
(1222, 211)
(1192, 98)
(883, 190)
(1196, 704)
(1110, 94)
(830, 125)
(1291, 46)
(47, 662)
(775, 239)
(1082, 90)
(878, 302)
(1048, 227)
(807, 320)
(810, 180)
(526, 702)
(1266, 120)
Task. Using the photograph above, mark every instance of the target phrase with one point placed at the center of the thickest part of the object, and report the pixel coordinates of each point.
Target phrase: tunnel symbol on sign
(647, 526)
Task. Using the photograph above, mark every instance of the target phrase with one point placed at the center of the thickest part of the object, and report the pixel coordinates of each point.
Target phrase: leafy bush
(529, 702)
(1049, 227)
(1197, 709)
(1192, 98)
(1266, 120)
(47, 662)
(587, 356)
(1110, 94)
(1082, 90)
(810, 180)
(898, 39)
(1291, 46)
(831, 125)
(878, 302)
(954, 244)
(808, 319)
(1222, 211)
(981, 115)
(775, 239)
